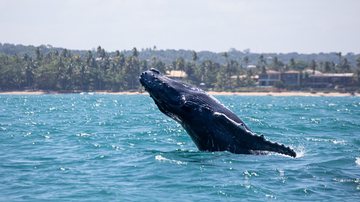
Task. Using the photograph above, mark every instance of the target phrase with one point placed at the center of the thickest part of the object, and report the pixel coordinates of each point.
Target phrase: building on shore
(272, 78)
(176, 74)
(291, 78)
(329, 80)
(269, 78)
(307, 78)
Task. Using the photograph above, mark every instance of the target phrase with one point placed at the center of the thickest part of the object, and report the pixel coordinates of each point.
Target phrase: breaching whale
(211, 125)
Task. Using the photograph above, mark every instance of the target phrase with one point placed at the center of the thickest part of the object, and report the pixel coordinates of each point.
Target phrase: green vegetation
(48, 68)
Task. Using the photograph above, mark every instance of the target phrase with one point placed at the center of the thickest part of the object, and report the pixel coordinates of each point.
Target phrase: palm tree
(246, 61)
(327, 67)
(38, 54)
(226, 55)
(292, 63)
(227, 70)
(313, 66)
(357, 71)
(340, 58)
(194, 56)
(180, 64)
(276, 63)
(29, 71)
(346, 65)
(261, 62)
(135, 52)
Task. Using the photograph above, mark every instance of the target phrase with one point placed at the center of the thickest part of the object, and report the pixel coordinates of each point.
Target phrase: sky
(281, 26)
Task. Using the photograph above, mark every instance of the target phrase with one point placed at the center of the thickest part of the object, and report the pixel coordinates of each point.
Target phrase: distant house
(269, 78)
(329, 80)
(291, 78)
(308, 78)
(176, 74)
(288, 78)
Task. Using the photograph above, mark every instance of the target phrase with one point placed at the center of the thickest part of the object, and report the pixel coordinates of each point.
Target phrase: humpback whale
(211, 125)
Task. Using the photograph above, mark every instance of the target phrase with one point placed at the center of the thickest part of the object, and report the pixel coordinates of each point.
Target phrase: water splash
(300, 151)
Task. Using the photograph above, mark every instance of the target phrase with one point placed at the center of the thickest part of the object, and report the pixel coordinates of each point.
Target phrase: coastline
(287, 93)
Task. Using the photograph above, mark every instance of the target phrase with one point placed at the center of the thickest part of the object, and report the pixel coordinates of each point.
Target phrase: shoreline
(285, 94)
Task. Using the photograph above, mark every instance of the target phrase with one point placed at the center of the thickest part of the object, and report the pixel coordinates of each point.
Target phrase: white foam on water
(342, 142)
(300, 152)
(357, 161)
(269, 196)
(83, 134)
(163, 159)
(334, 141)
(281, 172)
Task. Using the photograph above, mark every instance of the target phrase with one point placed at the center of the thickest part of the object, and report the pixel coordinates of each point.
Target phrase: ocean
(92, 147)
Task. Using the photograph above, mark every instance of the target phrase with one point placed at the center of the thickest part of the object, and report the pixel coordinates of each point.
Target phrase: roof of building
(334, 75)
(272, 72)
(292, 72)
(243, 76)
(310, 71)
(176, 73)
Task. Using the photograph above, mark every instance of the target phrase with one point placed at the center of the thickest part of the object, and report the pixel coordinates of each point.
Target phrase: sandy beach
(288, 93)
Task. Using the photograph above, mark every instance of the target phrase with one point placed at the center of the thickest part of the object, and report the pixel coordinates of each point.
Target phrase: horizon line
(141, 49)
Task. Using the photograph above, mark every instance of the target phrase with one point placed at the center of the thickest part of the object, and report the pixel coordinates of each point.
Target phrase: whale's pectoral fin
(248, 139)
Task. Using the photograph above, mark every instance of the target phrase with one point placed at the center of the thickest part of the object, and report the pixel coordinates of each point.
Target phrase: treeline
(64, 70)
(169, 55)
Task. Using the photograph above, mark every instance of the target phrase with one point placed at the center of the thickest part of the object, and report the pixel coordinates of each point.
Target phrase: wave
(334, 141)
(163, 159)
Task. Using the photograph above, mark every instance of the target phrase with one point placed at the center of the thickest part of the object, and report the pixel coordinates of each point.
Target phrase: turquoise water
(118, 147)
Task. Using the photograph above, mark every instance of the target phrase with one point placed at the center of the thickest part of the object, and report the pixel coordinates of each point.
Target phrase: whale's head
(168, 94)
(163, 89)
